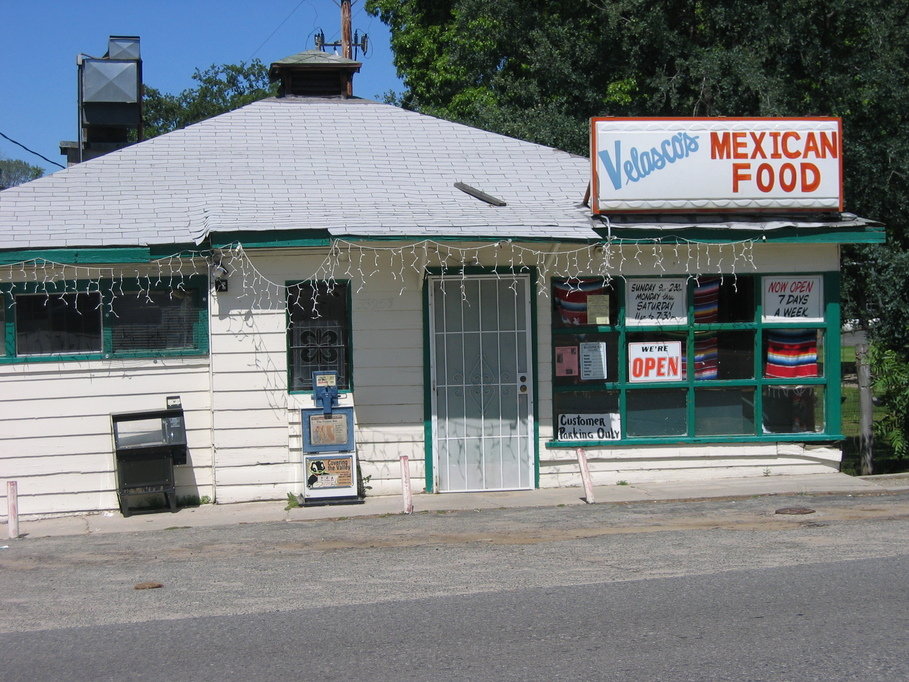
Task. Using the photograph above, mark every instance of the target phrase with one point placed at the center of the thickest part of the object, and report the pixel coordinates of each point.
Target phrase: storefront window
(793, 409)
(724, 411)
(676, 358)
(657, 412)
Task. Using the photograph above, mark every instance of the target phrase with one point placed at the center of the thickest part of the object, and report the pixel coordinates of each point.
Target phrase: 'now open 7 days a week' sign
(716, 164)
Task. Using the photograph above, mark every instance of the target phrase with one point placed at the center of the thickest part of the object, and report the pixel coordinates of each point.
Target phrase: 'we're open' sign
(655, 361)
(716, 164)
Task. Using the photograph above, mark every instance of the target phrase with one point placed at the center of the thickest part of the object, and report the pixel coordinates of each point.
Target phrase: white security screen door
(482, 402)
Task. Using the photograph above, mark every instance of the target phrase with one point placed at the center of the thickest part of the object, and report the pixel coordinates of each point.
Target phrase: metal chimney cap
(123, 47)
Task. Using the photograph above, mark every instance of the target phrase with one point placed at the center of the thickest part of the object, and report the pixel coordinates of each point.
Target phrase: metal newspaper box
(329, 451)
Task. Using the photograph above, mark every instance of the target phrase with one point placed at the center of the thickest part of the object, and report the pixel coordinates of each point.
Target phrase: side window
(156, 320)
(318, 335)
(81, 319)
(58, 323)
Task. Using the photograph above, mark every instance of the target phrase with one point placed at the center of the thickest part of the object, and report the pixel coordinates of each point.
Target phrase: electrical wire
(276, 29)
(31, 151)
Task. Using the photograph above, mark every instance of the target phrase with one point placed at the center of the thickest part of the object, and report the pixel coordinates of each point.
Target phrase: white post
(405, 484)
(585, 476)
(12, 505)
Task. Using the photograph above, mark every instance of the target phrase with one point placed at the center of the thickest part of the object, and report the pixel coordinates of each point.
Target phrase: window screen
(319, 335)
(157, 320)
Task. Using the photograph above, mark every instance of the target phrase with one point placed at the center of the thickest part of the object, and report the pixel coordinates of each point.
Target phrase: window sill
(94, 357)
(697, 440)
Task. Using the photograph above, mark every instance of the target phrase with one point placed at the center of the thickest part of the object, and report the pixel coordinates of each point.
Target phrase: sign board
(593, 361)
(328, 432)
(329, 476)
(793, 299)
(716, 164)
(655, 301)
(654, 361)
(324, 379)
(589, 427)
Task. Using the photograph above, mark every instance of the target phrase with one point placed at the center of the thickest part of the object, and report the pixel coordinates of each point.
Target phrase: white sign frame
(716, 164)
(793, 293)
(666, 299)
(657, 353)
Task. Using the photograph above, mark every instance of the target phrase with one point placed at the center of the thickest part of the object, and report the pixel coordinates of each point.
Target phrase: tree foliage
(14, 172)
(220, 89)
(538, 69)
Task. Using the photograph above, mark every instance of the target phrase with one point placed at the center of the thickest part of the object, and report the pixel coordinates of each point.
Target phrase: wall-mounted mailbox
(147, 445)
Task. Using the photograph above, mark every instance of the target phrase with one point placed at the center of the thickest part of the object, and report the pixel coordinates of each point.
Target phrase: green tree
(14, 172)
(539, 69)
(220, 89)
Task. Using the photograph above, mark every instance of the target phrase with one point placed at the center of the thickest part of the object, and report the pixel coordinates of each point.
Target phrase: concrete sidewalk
(262, 512)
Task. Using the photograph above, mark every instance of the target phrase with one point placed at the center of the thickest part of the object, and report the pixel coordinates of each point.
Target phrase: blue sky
(40, 39)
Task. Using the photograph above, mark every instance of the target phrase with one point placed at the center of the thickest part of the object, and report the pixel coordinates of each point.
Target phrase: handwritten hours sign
(655, 301)
(790, 299)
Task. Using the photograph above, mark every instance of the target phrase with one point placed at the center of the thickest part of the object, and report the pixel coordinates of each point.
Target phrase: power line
(276, 29)
(31, 151)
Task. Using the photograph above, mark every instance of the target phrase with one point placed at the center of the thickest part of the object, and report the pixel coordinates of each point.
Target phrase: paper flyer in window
(655, 361)
(566, 361)
(597, 309)
(791, 299)
(589, 426)
(593, 361)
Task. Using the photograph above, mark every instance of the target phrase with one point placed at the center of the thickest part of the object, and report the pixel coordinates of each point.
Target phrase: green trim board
(268, 239)
(784, 235)
(97, 256)
(108, 291)
(671, 440)
(694, 388)
(535, 385)
(429, 473)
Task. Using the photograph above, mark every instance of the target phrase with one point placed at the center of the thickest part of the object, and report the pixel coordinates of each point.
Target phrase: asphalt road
(675, 591)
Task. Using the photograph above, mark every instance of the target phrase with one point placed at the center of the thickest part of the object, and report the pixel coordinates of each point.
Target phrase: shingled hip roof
(351, 167)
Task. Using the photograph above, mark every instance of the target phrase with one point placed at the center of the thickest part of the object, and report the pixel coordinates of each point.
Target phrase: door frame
(455, 274)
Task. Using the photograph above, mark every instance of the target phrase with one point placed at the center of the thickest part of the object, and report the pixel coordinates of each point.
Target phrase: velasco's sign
(716, 164)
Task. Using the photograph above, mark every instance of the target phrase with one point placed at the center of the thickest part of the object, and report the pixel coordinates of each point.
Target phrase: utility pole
(349, 44)
(345, 30)
(866, 407)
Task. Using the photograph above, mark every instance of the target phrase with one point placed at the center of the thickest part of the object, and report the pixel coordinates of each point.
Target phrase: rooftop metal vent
(110, 100)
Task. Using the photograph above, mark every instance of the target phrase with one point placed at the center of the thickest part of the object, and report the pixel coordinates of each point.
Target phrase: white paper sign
(655, 361)
(655, 301)
(793, 299)
(589, 427)
(593, 361)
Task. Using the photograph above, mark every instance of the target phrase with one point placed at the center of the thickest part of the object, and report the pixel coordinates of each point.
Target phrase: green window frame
(319, 332)
(746, 401)
(136, 319)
